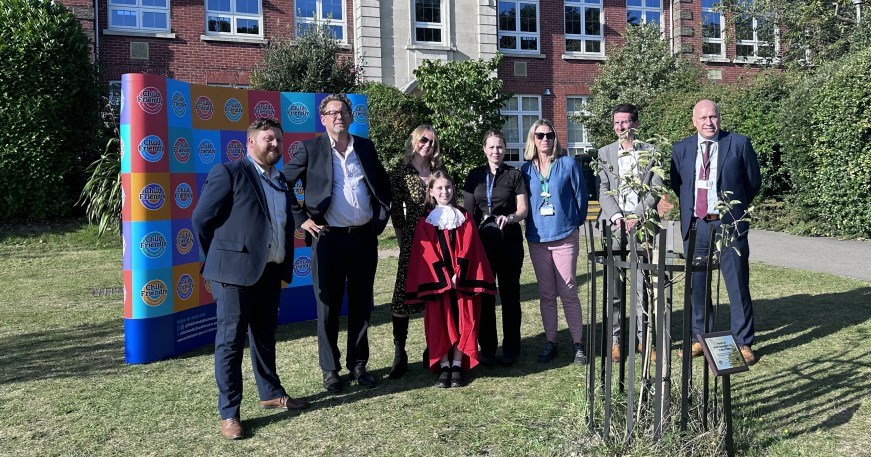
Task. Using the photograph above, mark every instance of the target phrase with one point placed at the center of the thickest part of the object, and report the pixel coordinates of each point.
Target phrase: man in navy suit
(346, 206)
(703, 167)
(241, 223)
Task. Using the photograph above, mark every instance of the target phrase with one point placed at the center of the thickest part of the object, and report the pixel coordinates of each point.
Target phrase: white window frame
(516, 116)
(583, 37)
(517, 33)
(576, 147)
(441, 25)
(319, 17)
(234, 18)
(139, 9)
(756, 43)
(721, 40)
(644, 10)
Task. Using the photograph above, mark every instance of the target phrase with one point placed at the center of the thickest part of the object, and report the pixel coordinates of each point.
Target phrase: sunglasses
(424, 140)
(541, 136)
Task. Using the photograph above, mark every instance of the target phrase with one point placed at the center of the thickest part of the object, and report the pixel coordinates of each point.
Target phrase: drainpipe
(858, 4)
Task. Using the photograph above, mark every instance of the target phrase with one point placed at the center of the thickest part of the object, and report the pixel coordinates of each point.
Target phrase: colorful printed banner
(172, 134)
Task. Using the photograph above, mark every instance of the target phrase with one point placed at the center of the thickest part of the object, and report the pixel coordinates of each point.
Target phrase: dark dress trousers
(737, 172)
(232, 223)
(341, 257)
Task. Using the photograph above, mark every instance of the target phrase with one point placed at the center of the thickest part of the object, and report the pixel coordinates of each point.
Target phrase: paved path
(847, 258)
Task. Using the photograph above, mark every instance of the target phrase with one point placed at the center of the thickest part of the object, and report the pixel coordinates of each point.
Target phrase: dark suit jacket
(233, 226)
(312, 163)
(737, 172)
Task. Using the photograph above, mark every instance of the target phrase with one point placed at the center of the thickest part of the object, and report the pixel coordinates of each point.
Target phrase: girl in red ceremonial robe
(448, 272)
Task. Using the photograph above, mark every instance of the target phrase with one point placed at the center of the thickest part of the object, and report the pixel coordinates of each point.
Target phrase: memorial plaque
(722, 353)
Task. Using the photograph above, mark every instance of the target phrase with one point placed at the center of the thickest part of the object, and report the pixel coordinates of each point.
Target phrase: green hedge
(49, 113)
(828, 147)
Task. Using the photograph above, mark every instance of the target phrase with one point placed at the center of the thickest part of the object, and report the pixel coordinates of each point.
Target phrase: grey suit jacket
(609, 179)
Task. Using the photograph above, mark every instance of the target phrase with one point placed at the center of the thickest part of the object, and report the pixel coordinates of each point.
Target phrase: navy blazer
(234, 228)
(737, 172)
(312, 163)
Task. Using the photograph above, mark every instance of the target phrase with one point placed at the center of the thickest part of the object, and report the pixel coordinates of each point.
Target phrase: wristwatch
(510, 218)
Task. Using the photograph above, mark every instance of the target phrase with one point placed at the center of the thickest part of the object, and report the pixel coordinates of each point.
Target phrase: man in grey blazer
(704, 167)
(346, 206)
(241, 224)
(623, 208)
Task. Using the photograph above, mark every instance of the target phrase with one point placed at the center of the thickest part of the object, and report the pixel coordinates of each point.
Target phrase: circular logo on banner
(152, 196)
(263, 110)
(206, 151)
(291, 150)
(208, 286)
(153, 245)
(184, 241)
(185, 286)
(233, 110)
(151, 148)
(150, 100)
(235, 150)
(302, 266)
(181, 149)
(361, 114)
(154, 292)
(179, 104)
(299, 234)
(183, 195)
(204, 108)
(298, 191)
(297, 113)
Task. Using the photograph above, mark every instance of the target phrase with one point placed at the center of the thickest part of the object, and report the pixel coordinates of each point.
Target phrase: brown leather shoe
(697, 350)
(748, 354)
(232, 429)
(284, 403)
(615, 352)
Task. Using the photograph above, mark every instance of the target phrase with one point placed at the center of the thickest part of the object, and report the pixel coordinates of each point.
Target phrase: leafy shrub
(49, 114)
(392, 117)
(309, 62)
(101, 195)
(826, 135)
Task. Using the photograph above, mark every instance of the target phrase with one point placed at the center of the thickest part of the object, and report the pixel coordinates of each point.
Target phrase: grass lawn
(65, 389)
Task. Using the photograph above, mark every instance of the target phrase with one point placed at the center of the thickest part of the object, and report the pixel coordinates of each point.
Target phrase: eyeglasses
(425, 140)
(334, 114)
(541, 135)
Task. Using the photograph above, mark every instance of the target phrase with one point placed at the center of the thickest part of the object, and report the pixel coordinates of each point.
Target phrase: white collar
(446, 217)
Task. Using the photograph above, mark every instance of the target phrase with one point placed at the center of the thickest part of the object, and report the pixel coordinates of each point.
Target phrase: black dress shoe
(457, 377)
(507, 360)
(486, 360)
(364, 378)
(332, 381)
(444, 380)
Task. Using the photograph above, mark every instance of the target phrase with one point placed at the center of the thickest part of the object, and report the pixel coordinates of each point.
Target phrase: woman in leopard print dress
(408, 182)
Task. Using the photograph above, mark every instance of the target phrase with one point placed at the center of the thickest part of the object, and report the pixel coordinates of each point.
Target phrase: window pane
(592, 25)
(574, 45)
(155, 3)
(306, 8)
(248, 6)
(711, 25)
(219, 5)
(633, 17)
(510, 104)
(710, 3)
(508, 42)
(527, 123)
(219, 24)
(510, 129)
(123, 18)
(593, 46)
(507, 16)
(528, 43)
(530, 103)
(764, 30)
(429, 35)
(336, 31)
(512, 155)
(574, 104)
(332, 9)
(744, 50)
(303, 27)
(528, 21)
(653, 18)
(744, 27)
(653, 3)
(573, 20)
(248, 26)
(123, 2)
(427, 11)
(711, 48)
(153, 20)
(633, 3)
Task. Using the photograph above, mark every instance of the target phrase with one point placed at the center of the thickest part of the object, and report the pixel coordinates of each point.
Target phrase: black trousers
(344, 261)
(252, 310)
(505, 254)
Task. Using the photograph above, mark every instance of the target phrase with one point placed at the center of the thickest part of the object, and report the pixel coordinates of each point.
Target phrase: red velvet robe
(436, 255)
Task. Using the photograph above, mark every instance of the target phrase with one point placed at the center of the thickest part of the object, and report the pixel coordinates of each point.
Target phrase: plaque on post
(722, 353)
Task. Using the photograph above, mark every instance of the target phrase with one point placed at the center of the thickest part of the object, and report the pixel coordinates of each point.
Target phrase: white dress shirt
(351, 201)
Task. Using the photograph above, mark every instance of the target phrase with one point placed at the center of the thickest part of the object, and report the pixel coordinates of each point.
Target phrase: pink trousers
(556, 265)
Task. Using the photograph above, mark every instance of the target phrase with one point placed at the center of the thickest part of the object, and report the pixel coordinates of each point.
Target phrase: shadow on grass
(78, 351)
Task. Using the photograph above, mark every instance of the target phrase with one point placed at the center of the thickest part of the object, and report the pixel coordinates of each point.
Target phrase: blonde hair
(414, 142)
(529, 151)
(494, 133)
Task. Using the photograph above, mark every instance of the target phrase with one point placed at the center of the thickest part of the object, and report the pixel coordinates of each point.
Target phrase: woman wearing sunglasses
(409, 185)
(557, 207)
(495, 195)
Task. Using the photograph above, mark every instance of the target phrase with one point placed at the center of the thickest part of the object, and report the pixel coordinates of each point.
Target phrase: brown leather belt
(712, 217)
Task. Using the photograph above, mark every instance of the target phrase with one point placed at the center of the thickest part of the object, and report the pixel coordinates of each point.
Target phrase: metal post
(607, 335)
(623, 338)
(706, 379)
(727, 412)
(633, 302)
(686, 365)
(591, 335)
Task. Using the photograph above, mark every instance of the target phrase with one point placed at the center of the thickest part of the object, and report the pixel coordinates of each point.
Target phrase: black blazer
(312, 163)
(233, 226)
